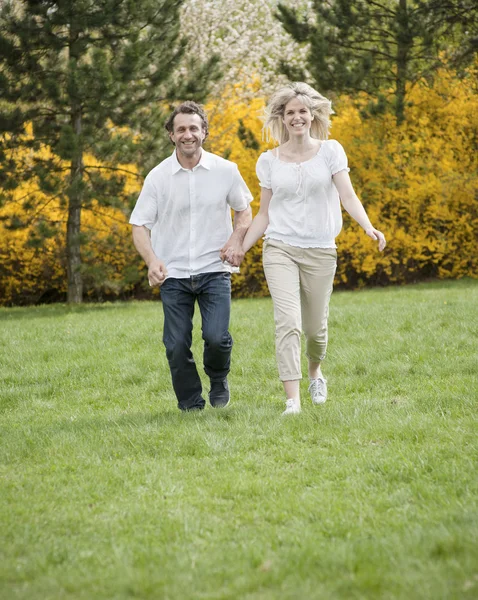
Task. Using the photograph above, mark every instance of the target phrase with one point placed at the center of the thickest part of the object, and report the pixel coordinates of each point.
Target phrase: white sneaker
(292, 407)
(318, 390)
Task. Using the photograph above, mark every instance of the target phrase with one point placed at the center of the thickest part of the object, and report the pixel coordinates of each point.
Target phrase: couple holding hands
(183, 230)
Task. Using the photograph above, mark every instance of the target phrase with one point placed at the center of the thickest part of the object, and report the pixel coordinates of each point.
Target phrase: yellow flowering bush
(417, 181)
(33, 246)
(235, 132)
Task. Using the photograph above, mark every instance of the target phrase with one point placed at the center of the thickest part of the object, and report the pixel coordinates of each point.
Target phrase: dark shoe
(219, 395)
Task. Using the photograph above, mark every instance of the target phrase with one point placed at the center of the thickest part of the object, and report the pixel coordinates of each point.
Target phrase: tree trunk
(75, 191)
(403, 48)
(73, 230)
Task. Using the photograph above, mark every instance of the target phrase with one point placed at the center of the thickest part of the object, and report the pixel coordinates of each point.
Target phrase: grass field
(109, 492)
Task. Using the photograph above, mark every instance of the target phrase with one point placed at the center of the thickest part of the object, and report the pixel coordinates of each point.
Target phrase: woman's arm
(232, 250)
(354, 207)
(260, 222)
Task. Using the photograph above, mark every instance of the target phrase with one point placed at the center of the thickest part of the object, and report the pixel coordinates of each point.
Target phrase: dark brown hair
(188, 108)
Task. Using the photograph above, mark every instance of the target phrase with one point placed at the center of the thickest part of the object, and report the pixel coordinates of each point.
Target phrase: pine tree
(85, 84)
(372, 45)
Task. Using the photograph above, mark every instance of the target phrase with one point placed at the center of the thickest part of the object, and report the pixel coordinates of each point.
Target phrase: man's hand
(232, 252)
(157, 272)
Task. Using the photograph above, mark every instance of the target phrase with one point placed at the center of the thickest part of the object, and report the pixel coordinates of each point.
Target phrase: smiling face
(297, 117)
(187, 135)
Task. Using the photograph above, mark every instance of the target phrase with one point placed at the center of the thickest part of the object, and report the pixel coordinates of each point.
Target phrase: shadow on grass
(432, 285)
(166, 418)
(49, 311)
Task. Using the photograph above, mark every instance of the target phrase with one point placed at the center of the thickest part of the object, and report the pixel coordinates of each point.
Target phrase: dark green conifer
(374, 45)
(93, 78)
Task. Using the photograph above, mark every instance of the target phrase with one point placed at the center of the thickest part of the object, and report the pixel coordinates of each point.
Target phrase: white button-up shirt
(189, 212)
(304, 210)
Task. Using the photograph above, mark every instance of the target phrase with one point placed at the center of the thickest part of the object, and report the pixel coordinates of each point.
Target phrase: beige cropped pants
(300, 281)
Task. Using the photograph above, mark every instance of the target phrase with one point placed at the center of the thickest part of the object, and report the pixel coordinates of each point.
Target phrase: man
(182, 228)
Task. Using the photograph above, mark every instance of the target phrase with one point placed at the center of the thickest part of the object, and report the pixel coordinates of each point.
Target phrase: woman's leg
(314, 369)
(282, 276)
(317, 278)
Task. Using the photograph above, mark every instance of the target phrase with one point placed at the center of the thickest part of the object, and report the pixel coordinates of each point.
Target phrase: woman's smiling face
(297, 117)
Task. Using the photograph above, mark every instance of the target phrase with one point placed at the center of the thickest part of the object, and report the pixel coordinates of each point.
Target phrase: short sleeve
(337, 157)
(263, 170)
(146, 210)
(239, 196)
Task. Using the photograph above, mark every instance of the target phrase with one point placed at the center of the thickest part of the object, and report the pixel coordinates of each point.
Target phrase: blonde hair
(319, 106)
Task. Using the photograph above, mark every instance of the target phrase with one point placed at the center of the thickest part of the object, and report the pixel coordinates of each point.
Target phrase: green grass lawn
(109, 492)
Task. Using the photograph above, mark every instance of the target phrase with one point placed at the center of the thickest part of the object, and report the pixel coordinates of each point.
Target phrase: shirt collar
(204, 161)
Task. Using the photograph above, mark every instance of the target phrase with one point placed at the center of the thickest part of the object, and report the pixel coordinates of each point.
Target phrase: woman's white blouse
(305, 207)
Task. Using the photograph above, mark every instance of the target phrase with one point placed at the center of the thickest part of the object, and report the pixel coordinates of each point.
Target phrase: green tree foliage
(378, 45)
(83, 86)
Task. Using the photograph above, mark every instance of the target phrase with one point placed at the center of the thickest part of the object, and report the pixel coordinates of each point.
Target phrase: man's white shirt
(189, 212)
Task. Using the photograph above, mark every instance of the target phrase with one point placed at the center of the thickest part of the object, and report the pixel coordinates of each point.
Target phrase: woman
(302, 183)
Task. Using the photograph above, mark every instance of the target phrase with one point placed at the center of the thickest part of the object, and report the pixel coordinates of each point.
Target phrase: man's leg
(214, 298)
(178, 305)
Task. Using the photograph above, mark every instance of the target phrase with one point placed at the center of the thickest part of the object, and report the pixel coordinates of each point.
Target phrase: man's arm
(232, 250)
(157, 271)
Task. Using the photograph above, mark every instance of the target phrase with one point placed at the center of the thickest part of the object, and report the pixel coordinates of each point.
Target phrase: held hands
(375, 234)
(232, 253)
(157, 272)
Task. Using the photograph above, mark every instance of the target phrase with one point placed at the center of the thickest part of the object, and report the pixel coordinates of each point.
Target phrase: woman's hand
(375, 234)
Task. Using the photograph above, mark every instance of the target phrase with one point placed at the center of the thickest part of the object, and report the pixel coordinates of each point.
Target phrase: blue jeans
(213, 293)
